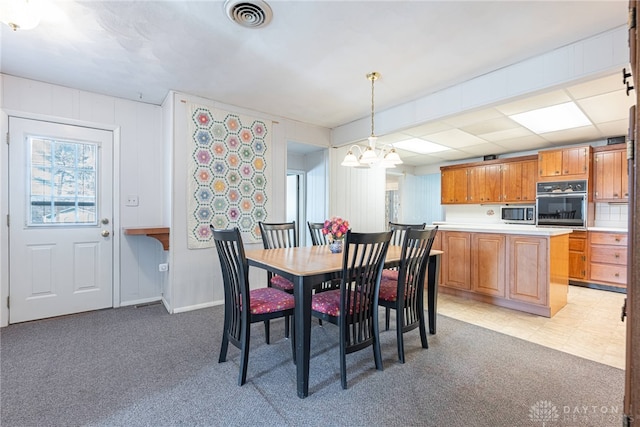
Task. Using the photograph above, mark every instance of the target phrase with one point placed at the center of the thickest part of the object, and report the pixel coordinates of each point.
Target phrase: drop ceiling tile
(426, 129)
(454, 138)
(467, 119)
(607, 107)
(506, 134)
(607, 84)
(569, 136)
(484, 149)
(614, 128)
(451, 155)
(534, 102)
(530, 142)
(501, 123)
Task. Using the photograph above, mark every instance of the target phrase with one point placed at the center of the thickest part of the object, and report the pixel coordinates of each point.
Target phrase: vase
(335, 245)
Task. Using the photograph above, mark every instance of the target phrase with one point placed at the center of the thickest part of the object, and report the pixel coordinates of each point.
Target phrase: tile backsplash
(615, 215)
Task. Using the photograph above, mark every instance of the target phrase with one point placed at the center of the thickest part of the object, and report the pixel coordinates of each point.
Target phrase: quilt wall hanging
(228, 171)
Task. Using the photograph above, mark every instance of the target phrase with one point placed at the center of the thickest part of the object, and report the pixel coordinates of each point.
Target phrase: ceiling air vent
(249, 14)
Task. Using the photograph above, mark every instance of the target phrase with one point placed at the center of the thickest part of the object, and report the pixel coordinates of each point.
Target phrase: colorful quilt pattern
(227, 174)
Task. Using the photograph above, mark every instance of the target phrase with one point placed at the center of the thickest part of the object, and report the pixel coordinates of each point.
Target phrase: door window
(62, 182)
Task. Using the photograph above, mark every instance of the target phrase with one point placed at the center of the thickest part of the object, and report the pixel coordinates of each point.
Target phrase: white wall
(138, 166)
(195, 279)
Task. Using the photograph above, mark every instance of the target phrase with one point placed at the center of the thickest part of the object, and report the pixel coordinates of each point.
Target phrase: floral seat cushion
(282, 283)
(389, 290)
(390, 274)
(329, 302)
(269, 300)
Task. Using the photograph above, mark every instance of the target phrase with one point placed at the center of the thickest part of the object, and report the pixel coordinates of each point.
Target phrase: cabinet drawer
(609, 254)
(609, 273)
(578, 245)
(617, 239)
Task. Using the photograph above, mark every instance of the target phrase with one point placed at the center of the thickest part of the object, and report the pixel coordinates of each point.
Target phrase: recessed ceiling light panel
(420, 146)
(554, 118)
(249, 14)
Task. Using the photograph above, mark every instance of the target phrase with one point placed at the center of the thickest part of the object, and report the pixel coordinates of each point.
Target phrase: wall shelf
(159, 233)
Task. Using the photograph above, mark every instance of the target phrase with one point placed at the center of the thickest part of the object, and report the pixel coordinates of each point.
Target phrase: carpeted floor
(144, 367)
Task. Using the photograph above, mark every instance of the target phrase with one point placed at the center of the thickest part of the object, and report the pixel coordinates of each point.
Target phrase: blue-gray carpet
(143, 367)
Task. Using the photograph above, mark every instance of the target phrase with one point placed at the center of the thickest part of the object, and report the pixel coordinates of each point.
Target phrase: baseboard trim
(599, 286)
(197, 306)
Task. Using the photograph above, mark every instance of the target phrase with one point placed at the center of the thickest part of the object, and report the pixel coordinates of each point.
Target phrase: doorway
(60, 219)
(296, 197)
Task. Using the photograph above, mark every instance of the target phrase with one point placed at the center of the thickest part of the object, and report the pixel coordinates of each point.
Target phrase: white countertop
(609, 229)
(503, 228)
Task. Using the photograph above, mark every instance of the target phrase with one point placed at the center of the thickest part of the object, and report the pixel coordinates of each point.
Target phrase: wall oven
(562, 204)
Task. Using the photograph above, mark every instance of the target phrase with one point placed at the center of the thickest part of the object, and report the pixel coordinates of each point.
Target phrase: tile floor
(588, 326)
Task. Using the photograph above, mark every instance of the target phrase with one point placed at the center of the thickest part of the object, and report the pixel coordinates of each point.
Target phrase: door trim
(4, 200)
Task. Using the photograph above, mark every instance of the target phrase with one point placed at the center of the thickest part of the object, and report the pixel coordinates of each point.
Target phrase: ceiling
(309, 63)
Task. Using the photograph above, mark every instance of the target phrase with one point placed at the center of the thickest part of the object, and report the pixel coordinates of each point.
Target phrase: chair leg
(387, 315)
(399, 335)
(224, 347)
(377, 353)
(286, 326)
(423, 329)
(343, 365)
(266, 331)
(244, 358)
(293, 338)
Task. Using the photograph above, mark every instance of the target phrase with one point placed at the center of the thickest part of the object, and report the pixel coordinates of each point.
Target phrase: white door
(60, 219)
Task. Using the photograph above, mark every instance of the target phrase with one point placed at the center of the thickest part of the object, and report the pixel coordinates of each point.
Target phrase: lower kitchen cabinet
(488, 264)
(456, 263)
(608, 258)
(578, 255)
(523, 272)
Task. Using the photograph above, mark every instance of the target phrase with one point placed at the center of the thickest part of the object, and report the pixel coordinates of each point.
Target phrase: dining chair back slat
(399, 231)
(317, 237)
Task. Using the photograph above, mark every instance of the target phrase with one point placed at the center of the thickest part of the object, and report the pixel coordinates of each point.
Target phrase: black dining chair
(399, 231)
(317, 237)
(405, 294)
(243, 306)
(354, 306)
(275, 236)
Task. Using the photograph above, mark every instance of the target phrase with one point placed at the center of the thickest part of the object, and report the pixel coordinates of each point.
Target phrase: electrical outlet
(163, 267)
(131, 201)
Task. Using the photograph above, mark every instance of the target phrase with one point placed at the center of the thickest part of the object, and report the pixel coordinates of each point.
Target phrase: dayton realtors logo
(543, 412)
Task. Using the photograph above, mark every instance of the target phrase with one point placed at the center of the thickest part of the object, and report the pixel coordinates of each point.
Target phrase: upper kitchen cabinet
(566, 163)
(484, 184)
(610, 175)
(454, 186)
(519, 181)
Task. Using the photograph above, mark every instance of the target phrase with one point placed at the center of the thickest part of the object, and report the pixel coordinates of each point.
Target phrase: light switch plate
(131, 201)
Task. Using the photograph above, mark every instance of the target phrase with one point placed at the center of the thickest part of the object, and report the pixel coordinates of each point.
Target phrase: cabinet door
(456, 267)
(575, 161)
(609, 176)
(528, 270)
(484, 184)
(454, 186)
(550, 163)
(488, 264)
(512, 182)
(624, 167)
(529, 179)
(578, 255)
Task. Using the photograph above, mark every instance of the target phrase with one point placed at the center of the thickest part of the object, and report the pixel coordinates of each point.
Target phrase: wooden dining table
(307, 266)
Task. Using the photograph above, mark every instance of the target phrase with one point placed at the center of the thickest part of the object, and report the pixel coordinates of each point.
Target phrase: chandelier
(385, 157)
(20, 14)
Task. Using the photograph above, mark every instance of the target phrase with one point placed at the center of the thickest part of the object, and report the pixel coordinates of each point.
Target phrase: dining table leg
(433, 274)
(302, 319)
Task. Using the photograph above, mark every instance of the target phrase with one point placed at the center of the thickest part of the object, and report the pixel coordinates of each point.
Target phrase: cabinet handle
(617, 256)
(615, 194)
(617, 274)
(617, 239)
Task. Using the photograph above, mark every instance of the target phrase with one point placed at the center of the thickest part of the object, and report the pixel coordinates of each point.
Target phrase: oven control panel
(579, 186)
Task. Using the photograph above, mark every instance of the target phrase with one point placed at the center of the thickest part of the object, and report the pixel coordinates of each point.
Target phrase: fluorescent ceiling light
(419, 146)
(554, 118)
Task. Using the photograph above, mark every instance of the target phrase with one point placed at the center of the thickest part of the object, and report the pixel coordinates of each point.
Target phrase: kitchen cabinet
(484, 184)
(610, 175)
(456, 264)
(526, 272)
(608, 258)
(519, 181)
(487, 182)
(454, 186)
(578, 255)
(488, 263)
(565, 163)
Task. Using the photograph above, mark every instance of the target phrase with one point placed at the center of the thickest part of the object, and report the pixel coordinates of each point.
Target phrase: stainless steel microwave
(518, 214)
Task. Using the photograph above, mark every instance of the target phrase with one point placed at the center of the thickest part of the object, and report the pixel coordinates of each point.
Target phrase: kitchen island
(522, 267)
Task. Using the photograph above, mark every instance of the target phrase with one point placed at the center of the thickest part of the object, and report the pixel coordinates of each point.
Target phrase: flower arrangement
(335, 228)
